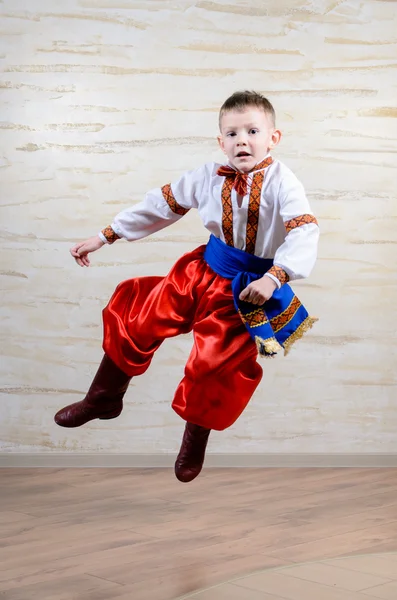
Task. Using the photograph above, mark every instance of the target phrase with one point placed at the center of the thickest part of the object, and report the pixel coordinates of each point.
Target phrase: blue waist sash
(279, 321)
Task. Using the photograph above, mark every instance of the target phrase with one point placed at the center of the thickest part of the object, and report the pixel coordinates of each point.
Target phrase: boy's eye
(253, 130)
(231, 134)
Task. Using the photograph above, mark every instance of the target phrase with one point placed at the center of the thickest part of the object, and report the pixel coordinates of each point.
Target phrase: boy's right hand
(81, 250)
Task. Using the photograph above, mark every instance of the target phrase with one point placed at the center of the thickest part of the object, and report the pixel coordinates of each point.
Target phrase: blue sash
(279, 321)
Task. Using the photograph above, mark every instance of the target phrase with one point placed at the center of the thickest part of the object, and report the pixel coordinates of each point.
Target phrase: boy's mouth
(240, 154)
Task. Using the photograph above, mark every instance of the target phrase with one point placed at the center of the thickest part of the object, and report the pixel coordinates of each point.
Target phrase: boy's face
(247, 136)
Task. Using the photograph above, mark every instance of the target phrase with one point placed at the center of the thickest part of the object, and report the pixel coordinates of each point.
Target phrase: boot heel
(110, 416)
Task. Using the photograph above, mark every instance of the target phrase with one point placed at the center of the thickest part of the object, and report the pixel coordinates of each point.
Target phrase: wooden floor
(139, 534)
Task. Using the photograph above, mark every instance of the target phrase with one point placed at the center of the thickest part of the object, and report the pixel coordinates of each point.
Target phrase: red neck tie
(241, 179)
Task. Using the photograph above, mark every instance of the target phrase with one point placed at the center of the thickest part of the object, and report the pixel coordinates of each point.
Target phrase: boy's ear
(276, 137)
(220, 142)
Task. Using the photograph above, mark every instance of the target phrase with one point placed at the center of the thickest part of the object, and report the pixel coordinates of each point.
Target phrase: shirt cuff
(278, 274)
(108, 235)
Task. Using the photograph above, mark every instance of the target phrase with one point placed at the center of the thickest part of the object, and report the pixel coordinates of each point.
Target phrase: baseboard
(69, 459)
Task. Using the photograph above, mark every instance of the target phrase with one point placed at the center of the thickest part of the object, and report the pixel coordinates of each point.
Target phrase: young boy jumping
(233, 292)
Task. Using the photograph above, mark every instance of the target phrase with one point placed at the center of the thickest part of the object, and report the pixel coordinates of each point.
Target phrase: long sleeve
(161, 207)
(296, 256)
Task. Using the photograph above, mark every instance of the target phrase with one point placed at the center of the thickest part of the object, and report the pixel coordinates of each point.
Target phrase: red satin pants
(221, 373)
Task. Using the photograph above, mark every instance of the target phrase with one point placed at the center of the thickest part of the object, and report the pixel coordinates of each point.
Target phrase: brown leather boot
(104, 399)
(190, 459)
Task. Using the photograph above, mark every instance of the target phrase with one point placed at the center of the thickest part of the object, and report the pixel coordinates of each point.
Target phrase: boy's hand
(81, 250)
(259, 291)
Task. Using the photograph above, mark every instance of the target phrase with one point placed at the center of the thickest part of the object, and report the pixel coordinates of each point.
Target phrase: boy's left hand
(259, 291)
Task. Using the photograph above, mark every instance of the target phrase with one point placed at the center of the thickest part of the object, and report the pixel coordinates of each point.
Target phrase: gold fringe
(267, 348)
(302, 329)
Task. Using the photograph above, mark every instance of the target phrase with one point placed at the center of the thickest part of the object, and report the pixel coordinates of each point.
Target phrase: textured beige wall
(104, 99)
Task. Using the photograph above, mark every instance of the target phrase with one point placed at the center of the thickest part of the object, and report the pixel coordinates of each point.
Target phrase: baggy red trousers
(221, 373)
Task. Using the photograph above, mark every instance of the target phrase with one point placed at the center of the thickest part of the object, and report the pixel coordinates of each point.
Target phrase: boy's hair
(242, 100)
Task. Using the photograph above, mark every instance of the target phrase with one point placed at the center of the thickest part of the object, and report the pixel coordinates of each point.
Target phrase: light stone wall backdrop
(102, 100)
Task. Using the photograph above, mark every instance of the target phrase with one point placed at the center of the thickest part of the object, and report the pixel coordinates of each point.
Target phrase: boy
(233, 292)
